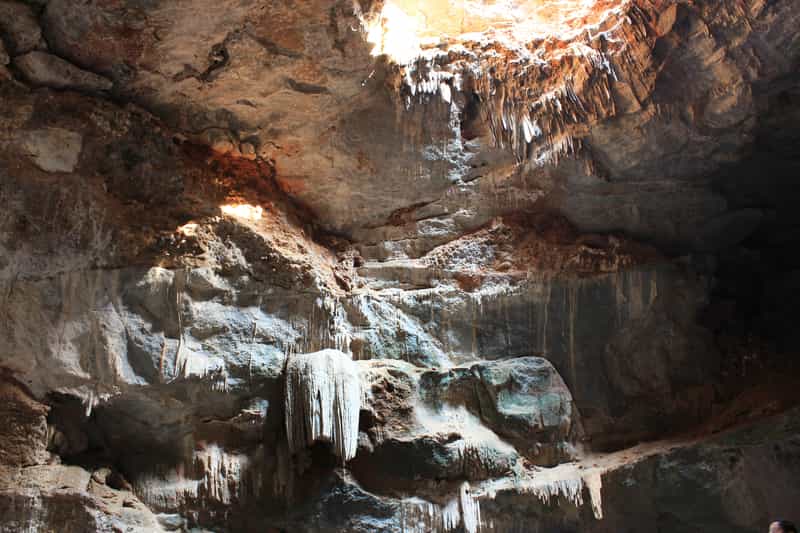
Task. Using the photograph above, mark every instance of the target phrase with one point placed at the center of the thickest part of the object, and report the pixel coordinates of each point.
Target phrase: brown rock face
(399, 265)
(24, 432)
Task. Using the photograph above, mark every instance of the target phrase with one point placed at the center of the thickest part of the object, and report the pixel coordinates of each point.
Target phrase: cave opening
(404, 29)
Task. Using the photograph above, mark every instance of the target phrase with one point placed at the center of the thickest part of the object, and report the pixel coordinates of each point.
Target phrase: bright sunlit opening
(404, 28)
(243, 211)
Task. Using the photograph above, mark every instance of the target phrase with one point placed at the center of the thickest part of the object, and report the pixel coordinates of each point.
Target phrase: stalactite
(451, 515)
(461, 510)
(210, 474)
(570, 489)
(470, 509)
(89, 402)
(594, 482)
(322, 401)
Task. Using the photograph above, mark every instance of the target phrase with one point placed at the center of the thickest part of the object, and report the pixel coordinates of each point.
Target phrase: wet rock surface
(255, 276)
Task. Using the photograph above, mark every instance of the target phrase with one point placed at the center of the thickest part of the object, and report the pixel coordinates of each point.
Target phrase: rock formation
(399, 266)
(322, 402)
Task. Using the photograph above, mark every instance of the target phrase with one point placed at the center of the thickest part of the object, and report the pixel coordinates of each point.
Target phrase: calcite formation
(322, 402)
(399, 266)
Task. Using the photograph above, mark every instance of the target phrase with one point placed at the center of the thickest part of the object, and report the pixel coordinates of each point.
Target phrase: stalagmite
(323, 398)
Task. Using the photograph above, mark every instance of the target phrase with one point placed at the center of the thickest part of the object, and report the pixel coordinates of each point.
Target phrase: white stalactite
(451, 515)
(470, 509)
(570, 489)
(323, 399)
(594, 482)
(423, 516)
(563, 482)
(209, 473)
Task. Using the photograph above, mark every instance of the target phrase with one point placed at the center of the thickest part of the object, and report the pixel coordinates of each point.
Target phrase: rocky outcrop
(523, 400)
(38, 493)
(719, 481)
(310, 267)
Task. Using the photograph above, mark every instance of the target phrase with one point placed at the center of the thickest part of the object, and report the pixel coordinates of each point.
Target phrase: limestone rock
(522, 399)
(56, 497)
(24, 432)
(41, 68)
(53, 149)
(525, 398)
(411, 440)
(19, 28)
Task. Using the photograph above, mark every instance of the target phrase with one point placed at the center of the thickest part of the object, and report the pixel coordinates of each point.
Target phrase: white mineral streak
(419, 516)
(530, 129)
(88, 395)
(444, 90)
(451, 515)
(89, 402)
(562, 482)
(594, 482)
(323, 399)
(211, 473)
(222, 472)
(328, 327)
(489, 292)
(570, 489)
(456, 419)
(422, 516)
(470, 509)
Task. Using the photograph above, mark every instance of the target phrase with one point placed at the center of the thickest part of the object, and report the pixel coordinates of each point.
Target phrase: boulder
(41, 68)
(523, 400)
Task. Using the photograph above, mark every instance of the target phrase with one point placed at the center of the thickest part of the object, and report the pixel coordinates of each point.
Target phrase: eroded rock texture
(399, 266)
